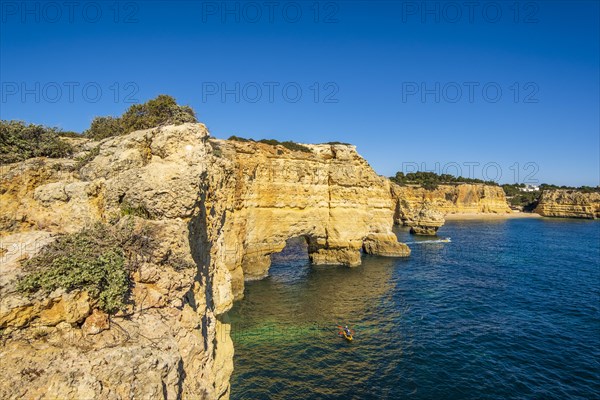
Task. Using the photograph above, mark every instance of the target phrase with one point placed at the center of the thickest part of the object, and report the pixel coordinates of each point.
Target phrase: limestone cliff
(330, 196)
(214, 211)
(170, 342)
(423, 209)
(569, 204)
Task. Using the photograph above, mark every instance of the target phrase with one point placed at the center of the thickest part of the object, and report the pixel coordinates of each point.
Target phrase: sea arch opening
(295, 250)
(294, 254)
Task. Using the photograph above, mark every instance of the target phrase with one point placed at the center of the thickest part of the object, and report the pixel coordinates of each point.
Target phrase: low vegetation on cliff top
(517, 198)
(98, 260)
(20, 141)
(583, 189)
(430, 180)
(287, 144)
(527, 201)
(162, 110)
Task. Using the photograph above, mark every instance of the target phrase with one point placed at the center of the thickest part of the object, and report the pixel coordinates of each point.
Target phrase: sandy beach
(477, 216)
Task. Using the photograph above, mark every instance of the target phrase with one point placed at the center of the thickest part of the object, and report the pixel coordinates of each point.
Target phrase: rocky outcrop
(426, 221)
(424, 209)
(329, 196)
(569, 204)
(385, 244)
(170, 343)
(215, 211)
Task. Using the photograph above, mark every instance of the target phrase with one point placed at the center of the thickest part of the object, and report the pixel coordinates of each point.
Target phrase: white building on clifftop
(529, 188)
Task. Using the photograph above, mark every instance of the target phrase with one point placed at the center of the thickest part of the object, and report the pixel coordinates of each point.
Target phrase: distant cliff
(453, 199)
(423, 209)
(569, 204)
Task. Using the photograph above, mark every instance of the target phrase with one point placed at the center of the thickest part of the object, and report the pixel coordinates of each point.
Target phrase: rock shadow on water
(285, 331)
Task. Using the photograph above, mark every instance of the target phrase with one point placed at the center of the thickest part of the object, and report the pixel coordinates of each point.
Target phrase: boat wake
(445, 240)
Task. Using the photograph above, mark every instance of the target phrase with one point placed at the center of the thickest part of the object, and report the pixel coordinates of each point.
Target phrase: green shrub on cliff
(239, 139)
(527, 201)
(513, 189)
(97, 260)
(162, 110)
(430, 180)
(104, 127)
(430, 185)
(583, 189)
(69, 134)
(342, 143)
(273, 142)
(287, 144)
(138, 210)
(20, 141)
(295, 146)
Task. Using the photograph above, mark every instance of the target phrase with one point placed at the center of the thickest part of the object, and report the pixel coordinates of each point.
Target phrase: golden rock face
(330, 196)
(569, 204)
(449, 199)
(217, 209)
(68, 348)
(424, 209)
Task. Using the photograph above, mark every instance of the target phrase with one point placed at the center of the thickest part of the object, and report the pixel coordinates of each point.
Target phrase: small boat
(347, 336)
(345, 333)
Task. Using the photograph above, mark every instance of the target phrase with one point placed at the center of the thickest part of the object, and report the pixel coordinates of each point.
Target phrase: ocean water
(507, 309)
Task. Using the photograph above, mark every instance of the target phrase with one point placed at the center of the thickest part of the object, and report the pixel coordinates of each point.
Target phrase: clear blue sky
(384, 76)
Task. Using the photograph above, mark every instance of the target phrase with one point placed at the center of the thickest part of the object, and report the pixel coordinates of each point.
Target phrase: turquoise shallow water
(508, 309)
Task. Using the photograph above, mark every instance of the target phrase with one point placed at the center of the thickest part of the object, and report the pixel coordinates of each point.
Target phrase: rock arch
(256, 262)
(329, 195)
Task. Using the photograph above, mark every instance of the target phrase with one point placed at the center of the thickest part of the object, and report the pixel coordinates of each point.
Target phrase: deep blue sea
(507, 310)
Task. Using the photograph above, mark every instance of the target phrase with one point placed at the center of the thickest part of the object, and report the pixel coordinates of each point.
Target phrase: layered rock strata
(569, 204)
(424, 209)
(170, 342)
(216, 211)
(426, 221)
(329, 196)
